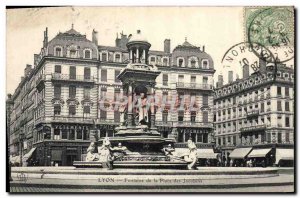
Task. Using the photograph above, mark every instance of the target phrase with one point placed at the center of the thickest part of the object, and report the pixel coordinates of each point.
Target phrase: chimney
(167, 46)
(230, 76)
(27, 70)
(262, 65)
(121, 42)
(95, 37)
(245, 71)
(220, 81)
(203, 48)
(35, 59)
(45, 37)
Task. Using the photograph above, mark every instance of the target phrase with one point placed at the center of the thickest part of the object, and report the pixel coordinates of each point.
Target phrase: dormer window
(152, 59)
(193, 63)
(87, 54)
(165, 61)
(73, 53)
(58, 51)
(180, 62)
(205, 64)
(104, 56)
(117, 58)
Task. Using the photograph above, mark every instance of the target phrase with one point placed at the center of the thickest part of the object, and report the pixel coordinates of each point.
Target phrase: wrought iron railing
(67, 77)
(194, 86)
(183, 124)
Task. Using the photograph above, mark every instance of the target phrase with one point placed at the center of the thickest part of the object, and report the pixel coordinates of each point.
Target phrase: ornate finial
(185, 38)
(72, 25)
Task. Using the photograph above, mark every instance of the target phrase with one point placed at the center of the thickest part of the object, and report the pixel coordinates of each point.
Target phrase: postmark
(242, 54)
(272, 28)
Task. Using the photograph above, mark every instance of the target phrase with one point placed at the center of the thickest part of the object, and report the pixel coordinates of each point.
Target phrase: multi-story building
(256, 111)
(57, 104)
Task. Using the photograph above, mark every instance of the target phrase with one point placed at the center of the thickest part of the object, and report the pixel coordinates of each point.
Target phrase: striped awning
(259, 152)
(240, 153)
(29, 154)
(284, 154)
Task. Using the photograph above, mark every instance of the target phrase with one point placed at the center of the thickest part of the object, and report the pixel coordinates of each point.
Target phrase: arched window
(180, 62)
(205, 64)
(72, 51)
(152, 60)
(87, 53)
(193, 62)
(58, 51)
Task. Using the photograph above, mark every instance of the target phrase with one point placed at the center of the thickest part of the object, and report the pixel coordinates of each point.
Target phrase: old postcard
(150, 99)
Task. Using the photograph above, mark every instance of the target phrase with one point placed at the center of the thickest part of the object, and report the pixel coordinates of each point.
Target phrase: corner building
(256, 112)
(56, 107)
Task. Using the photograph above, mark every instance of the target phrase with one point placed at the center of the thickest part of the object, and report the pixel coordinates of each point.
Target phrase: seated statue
(105, 155)
(168, 150)
(119, 151)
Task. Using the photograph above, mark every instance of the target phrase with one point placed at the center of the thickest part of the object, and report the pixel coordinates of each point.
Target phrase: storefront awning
(240, 153)
(28, 155)
(259, 152)
(284, 154)
(181, 152)
(206, 154)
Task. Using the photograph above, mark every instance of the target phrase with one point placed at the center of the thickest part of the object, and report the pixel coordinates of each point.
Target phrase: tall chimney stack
(45, 42)
(167, 46)
(95, 37)
(220, 81)
(27, 70)
(230, 76)
(245, 71)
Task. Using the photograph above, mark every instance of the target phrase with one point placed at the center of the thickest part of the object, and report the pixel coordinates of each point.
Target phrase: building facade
(255, 111)
(56, 107)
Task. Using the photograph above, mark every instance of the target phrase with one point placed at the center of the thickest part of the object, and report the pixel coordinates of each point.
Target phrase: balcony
(183, 124)
(253, 128)
(71, 119)
(39, 83)
(70, 78)
(181, 85)
(253, 113)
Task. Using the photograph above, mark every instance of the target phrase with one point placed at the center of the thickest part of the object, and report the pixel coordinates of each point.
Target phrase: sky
(218, 28)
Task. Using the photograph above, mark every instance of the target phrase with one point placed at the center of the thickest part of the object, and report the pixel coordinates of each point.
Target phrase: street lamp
(21, 137)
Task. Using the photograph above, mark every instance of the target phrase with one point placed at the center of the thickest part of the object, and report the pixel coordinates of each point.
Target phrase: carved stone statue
(105, 154)
(192, 157)
(168, 150)
(91, 155)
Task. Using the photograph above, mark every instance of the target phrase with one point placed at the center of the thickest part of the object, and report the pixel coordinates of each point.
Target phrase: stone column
(152, 110)
(137, 55)
(144, 56)
(129, 113)
(130, 56)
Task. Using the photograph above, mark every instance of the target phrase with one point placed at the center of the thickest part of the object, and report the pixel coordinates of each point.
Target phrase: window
(86, 134)
(268, 138)
(117, 73)
(72, 91)
(279, 137)
(117, 116)
(262, 107)
(57, 91)
(72, 134)
(72, 72)
(180, 78)
(58, 51)
(117, 94)
(234, 100)
(103, 75)
(199, 137)
(205, 80)
(193, 116)
(193, 63)
(287, 137)
(86, 92)
(165, 79)
(87, 53)
(205, 99)
(287, 106)
(287, 93)
(64, 134)
(193, 80)
(279, 108)
(87, 73)
(57, 110)
(278, 91)
(102, 114)
(152, 59)
(180, 62)
(72, 110)
(165, 61)
(86, 109)
(56, 134)
(205, 116)
(204, 64)
(117, 58)
(180, 116)
(104, 56)
(287, 121)
(57, 69)
(79, 134)
(73, 53)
